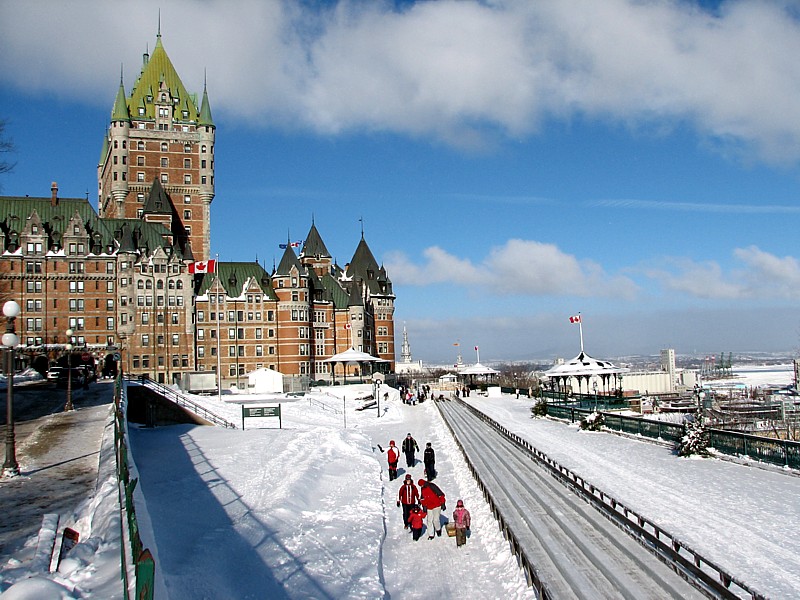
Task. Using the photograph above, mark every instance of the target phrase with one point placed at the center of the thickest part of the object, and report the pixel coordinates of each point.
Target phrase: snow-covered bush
(694, 440)
(539, 409)
(593, 422)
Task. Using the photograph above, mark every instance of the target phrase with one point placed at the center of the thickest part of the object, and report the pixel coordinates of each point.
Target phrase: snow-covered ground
(307, 511)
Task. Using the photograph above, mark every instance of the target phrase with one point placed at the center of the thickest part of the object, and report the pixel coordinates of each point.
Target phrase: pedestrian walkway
(58, 455)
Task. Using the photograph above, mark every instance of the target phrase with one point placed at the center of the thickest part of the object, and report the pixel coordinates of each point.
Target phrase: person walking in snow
(462, 520)
(410, 447)
(429, 457)
(433, 501)
(392, 456)
(408, 496)
(416, 519)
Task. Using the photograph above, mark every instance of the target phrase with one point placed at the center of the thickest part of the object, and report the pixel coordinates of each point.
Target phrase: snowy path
(484, 568)
(308, 511)
(578, 553)
(58, 456)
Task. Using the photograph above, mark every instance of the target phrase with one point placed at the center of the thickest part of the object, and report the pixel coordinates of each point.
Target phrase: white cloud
(448, 70)
(760, 275)
(520, 267)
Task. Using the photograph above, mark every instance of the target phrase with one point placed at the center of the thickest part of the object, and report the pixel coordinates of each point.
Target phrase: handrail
(667, 547)
(181, 400)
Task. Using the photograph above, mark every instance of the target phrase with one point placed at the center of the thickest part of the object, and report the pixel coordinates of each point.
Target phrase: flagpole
(478, 352)
(580, 329)
(219, 362)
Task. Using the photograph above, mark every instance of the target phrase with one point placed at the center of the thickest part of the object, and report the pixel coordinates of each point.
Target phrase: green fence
(783, 453)
(144, 566)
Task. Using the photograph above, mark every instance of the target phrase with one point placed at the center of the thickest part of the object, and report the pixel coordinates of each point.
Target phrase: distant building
(121, 278)
(667, 380)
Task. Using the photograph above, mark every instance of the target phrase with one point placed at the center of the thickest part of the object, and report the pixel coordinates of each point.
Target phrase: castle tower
(160, 132)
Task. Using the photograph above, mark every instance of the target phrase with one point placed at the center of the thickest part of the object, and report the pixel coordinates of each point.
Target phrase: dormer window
(76, 230)
(141, 111)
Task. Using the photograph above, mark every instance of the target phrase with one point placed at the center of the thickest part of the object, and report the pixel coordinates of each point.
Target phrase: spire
(120, 110)
(405, 352)
(205, 107)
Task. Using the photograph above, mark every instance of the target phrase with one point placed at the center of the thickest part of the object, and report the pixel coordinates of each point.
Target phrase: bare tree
(6, 148)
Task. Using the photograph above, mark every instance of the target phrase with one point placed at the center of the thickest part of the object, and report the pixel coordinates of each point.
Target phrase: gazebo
(477, 370)
(583, 368)
(351, 356)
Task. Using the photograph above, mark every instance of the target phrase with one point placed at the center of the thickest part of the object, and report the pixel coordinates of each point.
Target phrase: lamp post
(10, 341)
(378, 395)
(594, 386)
(68, 406)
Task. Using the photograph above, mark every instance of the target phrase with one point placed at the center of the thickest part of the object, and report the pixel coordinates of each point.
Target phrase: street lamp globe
(11, 309)
(10, 340)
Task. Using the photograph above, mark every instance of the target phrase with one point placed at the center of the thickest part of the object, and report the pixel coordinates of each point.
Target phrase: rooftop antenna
(361, 220)
(159, 22)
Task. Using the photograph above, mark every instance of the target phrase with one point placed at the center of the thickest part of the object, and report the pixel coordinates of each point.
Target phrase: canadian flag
(202, 266)
(476, 348)
(575, 319)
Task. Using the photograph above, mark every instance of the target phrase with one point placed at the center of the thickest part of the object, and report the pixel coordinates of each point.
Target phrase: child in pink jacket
(461, 519)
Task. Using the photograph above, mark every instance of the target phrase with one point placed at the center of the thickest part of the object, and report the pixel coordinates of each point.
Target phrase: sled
(451, 529)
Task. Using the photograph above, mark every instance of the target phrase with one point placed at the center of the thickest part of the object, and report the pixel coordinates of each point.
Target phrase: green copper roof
(289, 260)
(157, 200)
(120, 111)
(14, 212)
(233, 276)
(335, 292)
(205, 110)
(137, 235)
(314, 246)
(158, 70)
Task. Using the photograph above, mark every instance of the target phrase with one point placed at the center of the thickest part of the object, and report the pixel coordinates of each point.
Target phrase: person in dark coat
(429, 456)
(416, 519)
(410, 447)
(408, 496)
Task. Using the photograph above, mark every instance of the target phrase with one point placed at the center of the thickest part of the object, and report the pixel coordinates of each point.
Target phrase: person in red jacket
(416, 519)
(393, 456)
(433, 501)
(408, 496)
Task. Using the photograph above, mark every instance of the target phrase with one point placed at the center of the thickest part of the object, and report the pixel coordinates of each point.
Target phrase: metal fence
(773, 451)
(132, 553)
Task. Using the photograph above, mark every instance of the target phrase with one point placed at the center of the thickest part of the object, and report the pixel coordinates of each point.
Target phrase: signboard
(262, 411)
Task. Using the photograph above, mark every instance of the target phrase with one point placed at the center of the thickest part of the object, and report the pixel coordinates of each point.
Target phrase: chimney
(54, 194)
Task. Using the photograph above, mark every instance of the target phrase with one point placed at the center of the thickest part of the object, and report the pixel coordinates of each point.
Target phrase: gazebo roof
(478, 369)
(584, 365)
(351, 355)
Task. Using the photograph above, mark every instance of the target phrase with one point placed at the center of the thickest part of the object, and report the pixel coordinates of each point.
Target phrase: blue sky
(514, 163)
